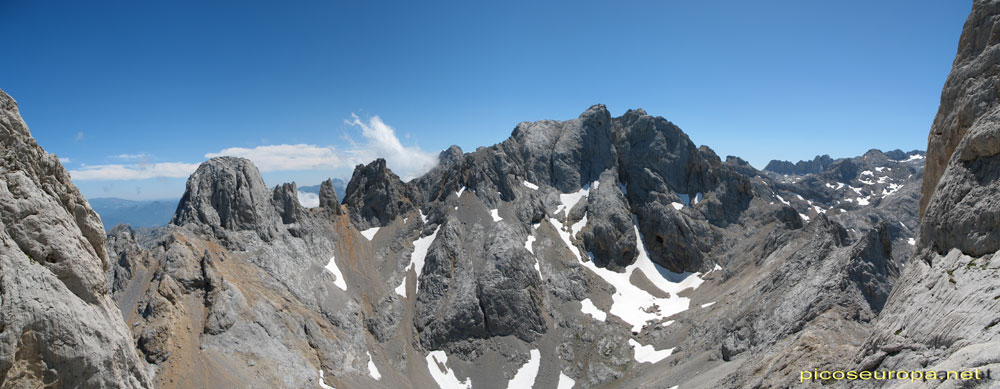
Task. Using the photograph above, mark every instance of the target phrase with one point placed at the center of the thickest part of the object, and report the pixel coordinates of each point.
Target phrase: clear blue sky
(144, 92)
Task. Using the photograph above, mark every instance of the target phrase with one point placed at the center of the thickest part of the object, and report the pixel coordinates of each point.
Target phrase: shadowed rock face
(942, 313)
(58, 325)
(375, 196)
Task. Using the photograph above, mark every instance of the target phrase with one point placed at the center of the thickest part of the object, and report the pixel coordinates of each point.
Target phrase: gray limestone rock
(609, 234)
(228, 193)
(941, 314)
(58, 325)
(375, 196)
(328, 197)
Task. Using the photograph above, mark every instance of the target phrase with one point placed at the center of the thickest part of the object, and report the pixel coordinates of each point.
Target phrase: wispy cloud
(275, 158)
(64, 160)
(379, 140)
(132, 156)
(134, 171)
(79, 135)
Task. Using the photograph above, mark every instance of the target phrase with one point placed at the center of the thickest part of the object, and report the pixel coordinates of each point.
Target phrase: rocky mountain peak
(375, 195)
(228, 193)
(450, 155)
(816, 165)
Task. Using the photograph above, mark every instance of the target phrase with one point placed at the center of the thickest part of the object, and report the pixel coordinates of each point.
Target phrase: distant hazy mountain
(115, 211)
(309, 195)
(339, 185)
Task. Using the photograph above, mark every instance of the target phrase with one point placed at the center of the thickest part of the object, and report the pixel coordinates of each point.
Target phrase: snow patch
(370, 233)
(588, 307)
(322, 384)
(527, 245)
(576, 227)
(677, 205)
(445, 377)
(648, 354)
(565, 235)
(530, 185)
(420, 247)
(631, 303)
(495, 213)
(460, 191)
(372, 369)
(332, 268)
(867, 173)
(782, 199)
(525, 376)
(569, 200)
(914, 158)
(911, 242)
(706, 305)
(891, 189)
(565, 382)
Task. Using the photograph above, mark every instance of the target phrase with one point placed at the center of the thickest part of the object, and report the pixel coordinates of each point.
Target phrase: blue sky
(135, 95)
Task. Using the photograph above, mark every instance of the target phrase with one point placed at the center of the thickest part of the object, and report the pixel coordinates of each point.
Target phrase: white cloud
(79, 135)
(379, 141)
(407, 162)
(64, 160)
(308, 200)
(132, 156)
(134, 171)
(274, 158)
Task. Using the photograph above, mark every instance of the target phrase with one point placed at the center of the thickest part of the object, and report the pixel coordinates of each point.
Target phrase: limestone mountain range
(598, 252)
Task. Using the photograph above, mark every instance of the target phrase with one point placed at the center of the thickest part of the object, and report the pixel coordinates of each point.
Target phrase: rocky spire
(286, 200)
(328, 197)
(375, 195)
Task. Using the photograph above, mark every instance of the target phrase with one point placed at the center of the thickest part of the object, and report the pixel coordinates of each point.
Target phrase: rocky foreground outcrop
(58, 325)
(943, 312)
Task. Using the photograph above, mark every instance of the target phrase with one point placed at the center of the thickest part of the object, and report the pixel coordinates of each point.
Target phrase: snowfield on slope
(331, 267)
(630, 302)
(437, 363)
(420, 247)
(525, 377)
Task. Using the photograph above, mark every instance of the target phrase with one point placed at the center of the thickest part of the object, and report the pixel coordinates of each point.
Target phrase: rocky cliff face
(943, 312)
(969, 93)
(58, 325)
